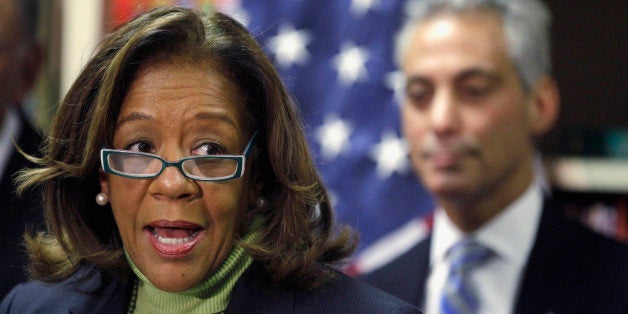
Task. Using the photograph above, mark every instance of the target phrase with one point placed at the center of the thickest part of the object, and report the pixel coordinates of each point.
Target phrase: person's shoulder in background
(18, 213)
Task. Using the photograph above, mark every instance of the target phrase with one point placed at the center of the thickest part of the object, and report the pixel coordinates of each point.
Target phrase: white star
(360, 7)
(390, 154)
(351, 63)
(397, 82)
(289, 46)
(333, 136)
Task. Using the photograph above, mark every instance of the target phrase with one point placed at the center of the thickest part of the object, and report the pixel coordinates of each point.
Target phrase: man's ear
(544, 105)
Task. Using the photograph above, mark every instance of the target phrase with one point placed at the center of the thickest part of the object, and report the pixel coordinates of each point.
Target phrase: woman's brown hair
(299, 241)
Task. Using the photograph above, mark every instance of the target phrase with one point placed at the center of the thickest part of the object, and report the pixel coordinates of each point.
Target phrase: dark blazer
(570, 270)
(17, 213)
(345, 295)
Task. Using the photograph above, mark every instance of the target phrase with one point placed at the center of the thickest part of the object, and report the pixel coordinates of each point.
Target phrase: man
(478, 93)
(20, 57)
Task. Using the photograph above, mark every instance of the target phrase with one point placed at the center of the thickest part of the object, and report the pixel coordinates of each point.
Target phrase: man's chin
(448, 187)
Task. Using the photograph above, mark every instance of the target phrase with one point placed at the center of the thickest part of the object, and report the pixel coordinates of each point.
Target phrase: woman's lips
(173, 239)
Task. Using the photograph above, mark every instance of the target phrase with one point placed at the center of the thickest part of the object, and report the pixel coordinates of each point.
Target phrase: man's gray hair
(526, 25)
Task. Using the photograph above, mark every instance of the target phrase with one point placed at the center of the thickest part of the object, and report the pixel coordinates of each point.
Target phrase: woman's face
(176, 230)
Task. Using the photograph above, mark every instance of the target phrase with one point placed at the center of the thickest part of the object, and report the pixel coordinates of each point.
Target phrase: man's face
(466, 114)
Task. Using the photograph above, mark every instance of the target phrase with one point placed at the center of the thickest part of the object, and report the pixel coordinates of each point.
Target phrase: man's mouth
(448, 156)
(443, 159)
(173, 238)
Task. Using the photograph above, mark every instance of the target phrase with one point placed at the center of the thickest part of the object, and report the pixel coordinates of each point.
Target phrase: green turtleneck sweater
(210, 296)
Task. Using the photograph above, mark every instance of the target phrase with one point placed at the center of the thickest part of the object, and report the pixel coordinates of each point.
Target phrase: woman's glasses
(202, 168)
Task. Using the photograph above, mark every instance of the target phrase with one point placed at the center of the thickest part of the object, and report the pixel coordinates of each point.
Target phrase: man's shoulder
(609, 257)
(570, 235)
(571, 262)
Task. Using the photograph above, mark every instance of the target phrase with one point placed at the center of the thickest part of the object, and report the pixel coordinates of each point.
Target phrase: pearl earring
(102, 199)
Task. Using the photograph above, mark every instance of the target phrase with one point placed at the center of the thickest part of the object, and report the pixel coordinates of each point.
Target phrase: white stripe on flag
(392, 245)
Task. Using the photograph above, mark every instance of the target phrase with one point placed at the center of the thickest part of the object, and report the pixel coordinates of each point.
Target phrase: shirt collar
(9, 130)
(509, 235)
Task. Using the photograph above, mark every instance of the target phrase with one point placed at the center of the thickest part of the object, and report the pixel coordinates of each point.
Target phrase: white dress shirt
(510, 235)
(9, 131)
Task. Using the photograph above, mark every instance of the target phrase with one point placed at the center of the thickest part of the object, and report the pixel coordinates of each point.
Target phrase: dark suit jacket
(570, 270)
(17, 214)
(345, 295)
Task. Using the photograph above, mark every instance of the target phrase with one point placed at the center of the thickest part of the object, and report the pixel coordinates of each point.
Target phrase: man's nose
(444, 113)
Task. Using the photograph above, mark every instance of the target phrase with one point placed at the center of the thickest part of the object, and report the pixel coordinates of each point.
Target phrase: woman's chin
(174, 278)
(172, 285)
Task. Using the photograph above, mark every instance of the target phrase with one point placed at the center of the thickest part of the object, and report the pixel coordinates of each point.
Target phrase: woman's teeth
(166, 240)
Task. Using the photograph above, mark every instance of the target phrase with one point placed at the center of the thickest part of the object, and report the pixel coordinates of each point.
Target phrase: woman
(177, 178)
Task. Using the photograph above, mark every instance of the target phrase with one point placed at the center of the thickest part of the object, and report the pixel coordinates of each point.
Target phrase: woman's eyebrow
(215, 116)
(133, 116)
(220, 116)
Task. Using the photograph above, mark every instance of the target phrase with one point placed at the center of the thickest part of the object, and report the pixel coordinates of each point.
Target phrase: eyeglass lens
(148, 165)
(210, 167)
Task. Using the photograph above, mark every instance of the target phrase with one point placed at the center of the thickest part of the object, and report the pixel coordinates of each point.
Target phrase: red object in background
(120, 11)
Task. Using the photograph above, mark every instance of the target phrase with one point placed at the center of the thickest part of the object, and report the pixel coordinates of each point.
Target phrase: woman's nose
(172, 184)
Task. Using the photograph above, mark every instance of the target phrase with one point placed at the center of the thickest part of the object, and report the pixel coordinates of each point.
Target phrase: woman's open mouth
(173, 238)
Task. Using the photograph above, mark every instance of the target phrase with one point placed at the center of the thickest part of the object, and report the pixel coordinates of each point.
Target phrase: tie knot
(466, 254)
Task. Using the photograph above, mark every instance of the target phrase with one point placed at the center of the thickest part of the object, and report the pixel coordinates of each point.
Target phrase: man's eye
(476, 91)
(140, 146)
(417, 94)
(208, 149)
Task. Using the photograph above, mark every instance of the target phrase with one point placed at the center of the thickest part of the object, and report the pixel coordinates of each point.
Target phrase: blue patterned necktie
(458, 293)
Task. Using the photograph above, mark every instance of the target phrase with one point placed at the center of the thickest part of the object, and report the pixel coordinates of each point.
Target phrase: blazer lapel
(88, 291)
(423, 252)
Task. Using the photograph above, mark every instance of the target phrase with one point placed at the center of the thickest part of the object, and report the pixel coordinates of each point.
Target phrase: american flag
(335, 56)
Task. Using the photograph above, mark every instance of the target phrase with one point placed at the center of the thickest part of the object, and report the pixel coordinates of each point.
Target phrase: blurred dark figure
(20, 58)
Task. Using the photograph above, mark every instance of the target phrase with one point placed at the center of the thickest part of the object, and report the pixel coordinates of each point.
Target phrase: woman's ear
(544, 106)
(103, 178)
